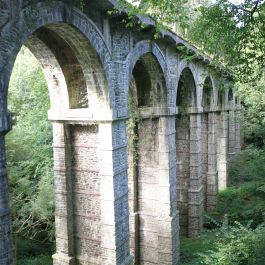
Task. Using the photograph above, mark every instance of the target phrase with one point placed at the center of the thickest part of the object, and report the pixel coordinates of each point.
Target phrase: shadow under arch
(207, 95)
(149, 81)
(220, 99)
(186, 91)
(143, 53)
(230, 95)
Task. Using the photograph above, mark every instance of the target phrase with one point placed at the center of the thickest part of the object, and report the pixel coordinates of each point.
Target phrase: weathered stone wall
(148, 191)
(212, 172)
(86, 193)
(115, 204)
(65, 252)
(183, 170)
(205, 124)
(196, 197)
(223, 138)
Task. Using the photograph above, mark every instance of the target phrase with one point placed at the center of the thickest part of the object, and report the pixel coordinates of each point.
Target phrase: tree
(29, 151)
(165, 13)
(252, 95)
(232, 34)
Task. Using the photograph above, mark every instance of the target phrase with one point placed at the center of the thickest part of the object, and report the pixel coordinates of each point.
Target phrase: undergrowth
(235, 232)
(30, 252)
(40, 260)
(244, 200)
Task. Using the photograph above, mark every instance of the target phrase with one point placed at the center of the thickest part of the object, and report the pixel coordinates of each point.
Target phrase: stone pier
(6, 249)
(195, 191)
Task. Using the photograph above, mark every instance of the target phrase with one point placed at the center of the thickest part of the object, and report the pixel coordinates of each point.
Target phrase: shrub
(249, 165)
(237, 245)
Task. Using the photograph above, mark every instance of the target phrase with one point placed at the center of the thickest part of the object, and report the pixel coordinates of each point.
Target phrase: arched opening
(186, 91)
(209, 147)
(78, 94)
(147, 91)
(72, 67)
(150, 83)
(207, 96)
(186, 98)
(29, 160)
(143, 85)
(230, 95)
(237, 101)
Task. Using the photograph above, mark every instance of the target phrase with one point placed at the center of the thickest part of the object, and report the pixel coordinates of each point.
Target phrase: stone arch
(186, 91)
(50, 13)
(208, 93)
(71, 51)
(208, 80)
(138, 55)
(190, 69)
(184, 64)
(150, 82)
(75, 146)
(230, 97)
(140, 49)
(143, 129)
(72, 69)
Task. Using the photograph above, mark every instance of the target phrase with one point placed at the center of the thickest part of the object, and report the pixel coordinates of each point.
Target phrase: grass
(245, 204)
(40, 260)
(191, 249)
(34, 253)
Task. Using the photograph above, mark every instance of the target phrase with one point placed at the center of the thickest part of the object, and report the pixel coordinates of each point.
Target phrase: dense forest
(234, 234)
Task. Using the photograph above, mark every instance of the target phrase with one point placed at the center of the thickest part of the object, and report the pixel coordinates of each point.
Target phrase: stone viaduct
(142, 138)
